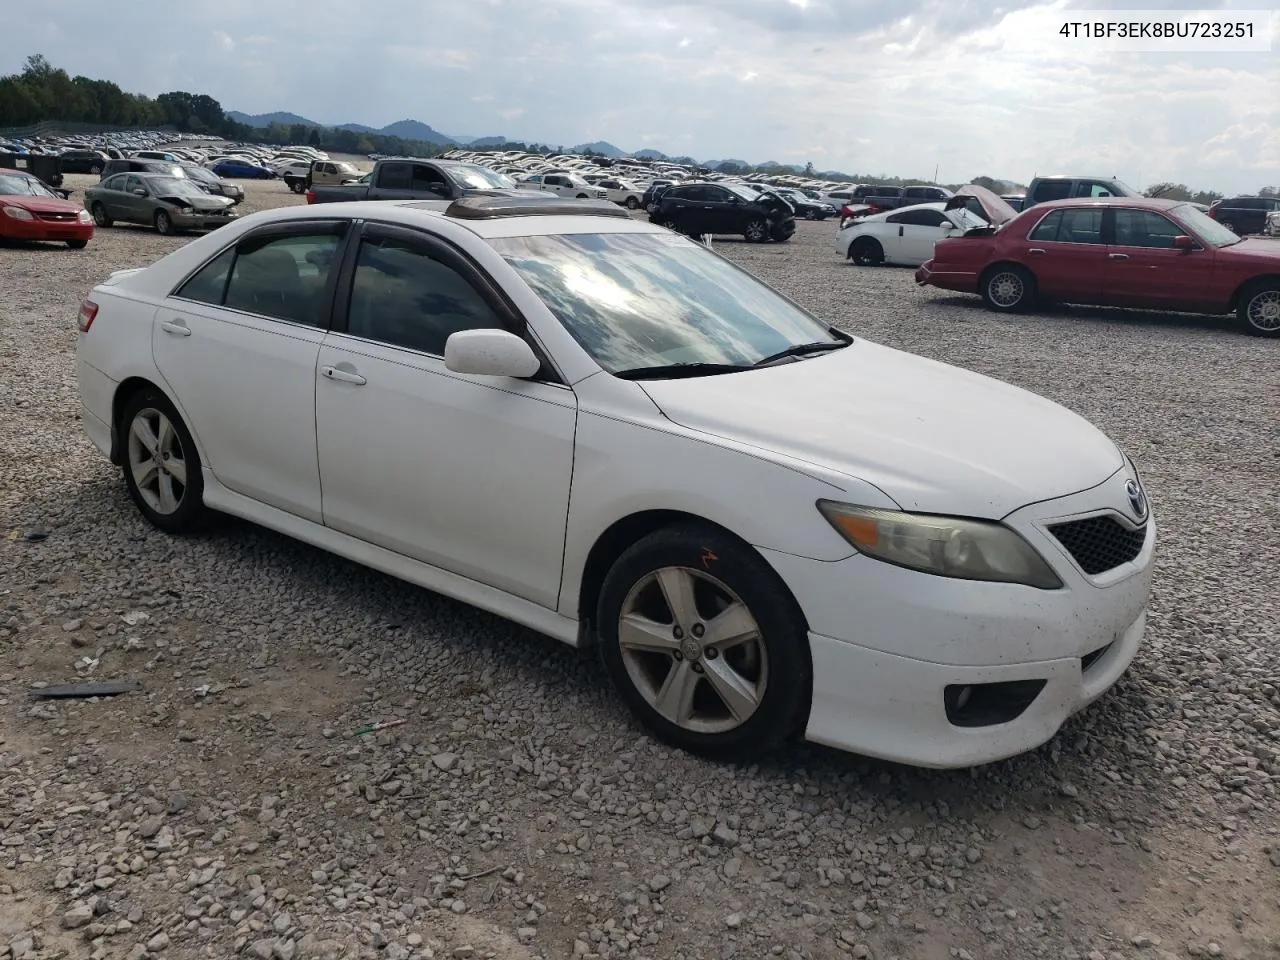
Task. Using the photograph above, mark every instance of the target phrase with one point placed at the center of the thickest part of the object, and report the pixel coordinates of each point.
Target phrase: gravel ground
(229, 809)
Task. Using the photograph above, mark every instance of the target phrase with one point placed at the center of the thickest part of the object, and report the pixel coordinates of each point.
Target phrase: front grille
(1100, 544)
(59, 217)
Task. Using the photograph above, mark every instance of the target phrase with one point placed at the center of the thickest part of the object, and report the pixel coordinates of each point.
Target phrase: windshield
(1204, 226)
(480, 178)
(648, 300)
(20, 185)
(173, 187)
(576, 180)
(347, 168)
(751, 194)
(200, 173)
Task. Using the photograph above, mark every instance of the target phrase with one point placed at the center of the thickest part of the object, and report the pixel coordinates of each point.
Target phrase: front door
(237, 345)
(1066, 253)
(470, 474)
(920, 230)
(1144, 269)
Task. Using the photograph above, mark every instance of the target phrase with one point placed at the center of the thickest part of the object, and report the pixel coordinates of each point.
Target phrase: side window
(929, 218)
(1046, 230)
(1081, 226)
(404, 297)
(556, 180)
(1142, 228)
(114, 183)
(210, 282)
(133, 183)
(716, 195)
(1092, 189)
(536, 178)
(395, 176)
(1047, 190)
(284, 278)
(424, 177)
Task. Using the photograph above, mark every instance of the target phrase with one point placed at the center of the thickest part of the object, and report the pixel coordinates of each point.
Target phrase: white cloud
(975, 87)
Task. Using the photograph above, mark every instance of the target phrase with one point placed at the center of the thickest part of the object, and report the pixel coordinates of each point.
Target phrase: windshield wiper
(802, 350)
(672, 371)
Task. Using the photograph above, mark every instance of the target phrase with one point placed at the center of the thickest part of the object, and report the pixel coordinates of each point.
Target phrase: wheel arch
(998, 264)
(125, 391)
(629, 530)
(1266, 279)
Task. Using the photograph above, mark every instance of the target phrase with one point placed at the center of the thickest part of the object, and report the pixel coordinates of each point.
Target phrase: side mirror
(946, 226)
(490, 353)
(1183, 242)
(139, 192)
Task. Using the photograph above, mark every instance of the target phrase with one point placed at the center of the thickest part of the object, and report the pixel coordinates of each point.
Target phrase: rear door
(1144, 269)
(237, 344)
(1066, 253)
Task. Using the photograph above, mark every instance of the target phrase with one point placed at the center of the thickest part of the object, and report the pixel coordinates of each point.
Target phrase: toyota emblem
(1137, 499)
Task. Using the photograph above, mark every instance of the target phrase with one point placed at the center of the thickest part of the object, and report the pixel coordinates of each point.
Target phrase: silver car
(170, 204)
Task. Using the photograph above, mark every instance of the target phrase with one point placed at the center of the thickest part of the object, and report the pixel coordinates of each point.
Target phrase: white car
(906, 236)
(563, 185)
(621, 191)
(612, 435)
(1272, 228)
(299, 168)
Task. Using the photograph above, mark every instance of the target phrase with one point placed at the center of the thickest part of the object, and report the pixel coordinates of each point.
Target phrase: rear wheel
(1231, 227)
(632, 203)
(95, 168)
(1008, 288)
(705, 644)
(757, 231)
(298, 186)
(100, 217)
(582, 196)
(1259, 309)
(866, 252)
(161, 464)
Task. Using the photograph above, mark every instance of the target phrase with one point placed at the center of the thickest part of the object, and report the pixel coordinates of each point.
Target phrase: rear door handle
(1118, 256)
(1036, 251)
(177, 327)
(343, 375)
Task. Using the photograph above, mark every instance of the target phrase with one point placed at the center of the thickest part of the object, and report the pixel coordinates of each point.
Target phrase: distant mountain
(357, 128)
(650, 154)
(266, 119)
(416, 130)
(479, 142)
(602, 147)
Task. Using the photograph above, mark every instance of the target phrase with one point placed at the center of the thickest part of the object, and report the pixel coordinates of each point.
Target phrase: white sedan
(608, 433)
(904, 236)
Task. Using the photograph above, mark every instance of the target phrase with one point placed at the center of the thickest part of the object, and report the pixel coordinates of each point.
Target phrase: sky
(899, 87)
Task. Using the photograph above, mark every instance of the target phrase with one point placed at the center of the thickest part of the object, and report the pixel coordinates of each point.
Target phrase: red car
(1115, 251)
(31, 211)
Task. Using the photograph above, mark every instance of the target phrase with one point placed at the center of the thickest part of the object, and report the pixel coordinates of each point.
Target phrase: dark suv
(1044, 189)
(83, 161)
(1244, 215)
(714, 208)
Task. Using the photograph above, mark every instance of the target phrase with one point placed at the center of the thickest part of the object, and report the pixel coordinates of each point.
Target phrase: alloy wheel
(157, 461)
(1264, 310)
(1006, 289)
(693, 650)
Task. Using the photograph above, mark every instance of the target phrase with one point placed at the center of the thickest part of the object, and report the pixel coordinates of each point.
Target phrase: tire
(866, 252)
(671, 225)
(1259, 309)
(1008, 288)
(298, 186)
(633, 203)
(164, 224)
(810, 215)
(769, 676)
(757, 231)
(77, 244)
(582, 196)
(1231, 227)
(95, 169)
(100, 217)
(156, 487)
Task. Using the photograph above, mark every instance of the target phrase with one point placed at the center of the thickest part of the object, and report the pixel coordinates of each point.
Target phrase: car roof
(425, 213)
(1143, 203)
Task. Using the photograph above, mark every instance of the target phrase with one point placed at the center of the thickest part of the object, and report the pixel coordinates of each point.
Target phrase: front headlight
(84, 217)
(17, 213)
(944, 546)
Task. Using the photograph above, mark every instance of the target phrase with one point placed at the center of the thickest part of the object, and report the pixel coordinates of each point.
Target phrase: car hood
(1254, 249)
(933, 437)
(40, 204)
(998, 210)
(206, 201)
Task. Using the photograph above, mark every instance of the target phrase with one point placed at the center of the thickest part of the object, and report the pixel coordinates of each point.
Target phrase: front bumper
(202, 221)
(52, 230)
(888, 642)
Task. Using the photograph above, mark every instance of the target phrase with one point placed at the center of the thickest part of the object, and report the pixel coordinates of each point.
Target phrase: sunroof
(490, 208)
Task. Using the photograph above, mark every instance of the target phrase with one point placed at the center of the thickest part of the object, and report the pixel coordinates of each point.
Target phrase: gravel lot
(228, 808)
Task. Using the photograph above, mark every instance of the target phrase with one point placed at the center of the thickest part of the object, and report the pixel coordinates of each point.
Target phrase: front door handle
(1118, 256)
(1036, 251)
(177, 327)
(343, 375)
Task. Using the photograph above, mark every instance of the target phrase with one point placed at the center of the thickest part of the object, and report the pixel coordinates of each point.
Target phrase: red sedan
(1115, 251)
(31, 211)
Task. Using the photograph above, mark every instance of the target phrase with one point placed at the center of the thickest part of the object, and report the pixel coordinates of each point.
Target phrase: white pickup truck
(563, 184)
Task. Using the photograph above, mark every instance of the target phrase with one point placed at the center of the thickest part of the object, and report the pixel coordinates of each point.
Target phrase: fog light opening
(989, 704)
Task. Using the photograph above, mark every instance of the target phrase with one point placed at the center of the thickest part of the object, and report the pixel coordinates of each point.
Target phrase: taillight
(88, 311)
(311, 196)
(1213, 213)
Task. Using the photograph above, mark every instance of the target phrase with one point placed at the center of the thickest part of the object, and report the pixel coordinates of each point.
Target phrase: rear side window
(210, 283)
(1070, 226)
(1052, 190)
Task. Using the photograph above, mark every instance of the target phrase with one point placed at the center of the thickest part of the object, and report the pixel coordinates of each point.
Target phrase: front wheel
(866, 252)
(95, 169)
(582, 196)
(298, 186)
(757, 231)
(161, 463)
(164, 223)
(1259, 310)
(100, 216)
(705, 644)
(633, 203)
(1008, 288)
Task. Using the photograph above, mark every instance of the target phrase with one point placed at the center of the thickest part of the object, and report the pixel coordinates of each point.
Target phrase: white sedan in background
(607, 432)
(621, 191)
(906, 236)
